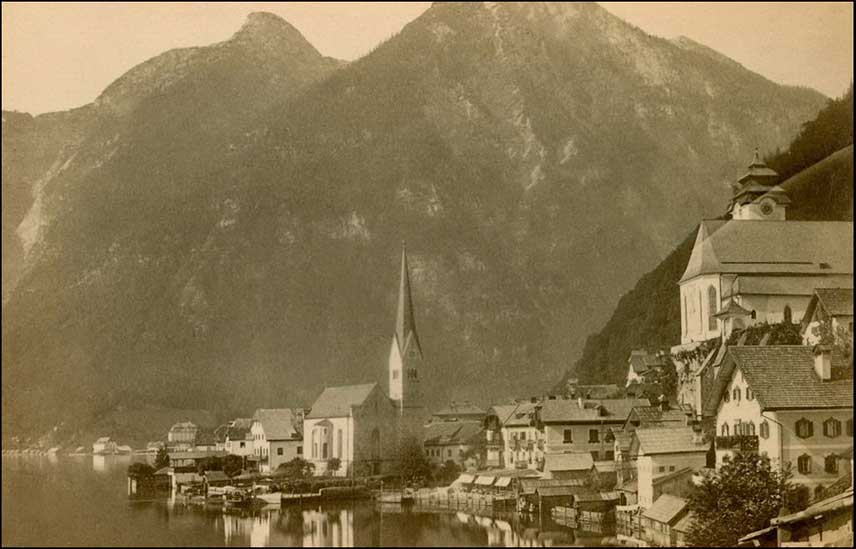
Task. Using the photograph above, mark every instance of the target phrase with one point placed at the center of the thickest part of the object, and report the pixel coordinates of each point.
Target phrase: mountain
(818, 172)
(226, 233)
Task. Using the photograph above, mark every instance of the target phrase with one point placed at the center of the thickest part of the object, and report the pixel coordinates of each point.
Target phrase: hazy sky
(57, 56)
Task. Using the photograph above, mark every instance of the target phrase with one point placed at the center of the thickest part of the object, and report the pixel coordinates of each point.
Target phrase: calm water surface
(78, 501)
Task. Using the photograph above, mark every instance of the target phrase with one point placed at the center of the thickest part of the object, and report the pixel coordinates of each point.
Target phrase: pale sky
(62, 55)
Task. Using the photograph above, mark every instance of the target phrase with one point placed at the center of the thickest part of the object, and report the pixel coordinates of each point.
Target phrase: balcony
(742, 443)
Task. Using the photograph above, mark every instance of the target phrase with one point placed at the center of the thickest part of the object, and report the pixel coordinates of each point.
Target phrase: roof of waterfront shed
(665, 509)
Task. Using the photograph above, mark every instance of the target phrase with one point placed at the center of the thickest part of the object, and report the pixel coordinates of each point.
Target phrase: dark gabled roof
(279, 423)
(239, 429)
(654, 415)
(338, 401)
(836, 301)
(666, 509)
(641, 361)
(452, 432)
(764, 247)
(783, 376)
(514, 415)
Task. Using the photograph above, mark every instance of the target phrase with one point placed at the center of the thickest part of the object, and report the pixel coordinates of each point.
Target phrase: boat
(238, 499)
(271, 498)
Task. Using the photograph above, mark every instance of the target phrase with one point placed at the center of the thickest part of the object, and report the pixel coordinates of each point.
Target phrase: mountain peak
(269, 30)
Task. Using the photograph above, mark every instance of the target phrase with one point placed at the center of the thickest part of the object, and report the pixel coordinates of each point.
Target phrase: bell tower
(405, 354)
(756, 195)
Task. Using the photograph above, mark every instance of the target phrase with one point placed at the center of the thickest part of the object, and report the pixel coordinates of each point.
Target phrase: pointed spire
(405, 324)
(756, 160)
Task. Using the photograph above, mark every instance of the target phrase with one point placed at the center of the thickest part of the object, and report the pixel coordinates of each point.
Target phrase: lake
(82, 500)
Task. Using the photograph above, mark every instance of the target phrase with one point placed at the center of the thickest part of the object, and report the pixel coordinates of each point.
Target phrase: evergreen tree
(162, 458)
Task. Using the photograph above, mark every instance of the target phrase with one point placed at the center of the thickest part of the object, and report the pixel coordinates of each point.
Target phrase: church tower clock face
(767, 207)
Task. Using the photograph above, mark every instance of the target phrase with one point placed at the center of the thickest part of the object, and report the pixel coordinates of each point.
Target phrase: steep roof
(669, 440)
(452, 432)
(784, 247)
(835, 503)
(783, 376)
(279, 423)
(405, 321)
(576, 461)
(593, 411)
(514, 415)
(338, 401)
(641, 361)
(759, 171)
(239, 429)
(836, 301)
(653, 415)
(666, 509)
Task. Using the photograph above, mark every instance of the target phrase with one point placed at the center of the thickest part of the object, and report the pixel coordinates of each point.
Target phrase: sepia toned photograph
(414, 274)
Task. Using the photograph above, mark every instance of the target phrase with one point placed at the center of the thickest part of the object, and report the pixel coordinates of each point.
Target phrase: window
(567, 436)
(449, 453)
(428, 452)
(324, 450)
(300, 450)
(830, 464)
(726, 397)
(724, 429)
(788, 314)
(735, 394)
(850, 427)
(749, 394)
(804, 428)
(671, 468)
(684, 311)
(395, 374)
(339, 443)
(831, 428)
(610, 455)
(661, 469)
(765, 429)
(609, 436)
(411, 374)
(712, 307)
(243, 444)
(749, 429)
(594, 435)
(804, 464)
(279, 451)
(738, 427)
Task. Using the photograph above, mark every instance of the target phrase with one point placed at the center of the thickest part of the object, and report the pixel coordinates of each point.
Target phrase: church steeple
(405, 323)
(405, 354)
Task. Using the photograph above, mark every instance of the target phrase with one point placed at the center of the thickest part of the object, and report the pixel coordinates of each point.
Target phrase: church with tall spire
(406, 359)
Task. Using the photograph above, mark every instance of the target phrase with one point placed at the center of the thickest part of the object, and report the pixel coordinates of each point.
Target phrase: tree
(162, 458)
(232, 464)
(448, 472)
(741, 497)
(412, 465)
(140, 470)
(296, 469)
(333, 465)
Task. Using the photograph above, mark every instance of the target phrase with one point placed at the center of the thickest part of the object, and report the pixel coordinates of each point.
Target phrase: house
(239, 439)
(792, 403)
(459, 411)
(659, 520)
(569, 466)
(641, 365)
(512, 436)
(661, 451)
(755, 267)
(830, 311)
(191, 459)
(584, 425)
(661, 415)
(353, 423)
(104, 445)
(220, 436)
(452, 441)
(182, 436)
(277, 436)
(827, 523)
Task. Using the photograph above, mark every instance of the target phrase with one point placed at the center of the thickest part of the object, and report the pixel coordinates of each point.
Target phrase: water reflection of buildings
(328, 529)
(309, 528)
(500, 533)
(254, 527)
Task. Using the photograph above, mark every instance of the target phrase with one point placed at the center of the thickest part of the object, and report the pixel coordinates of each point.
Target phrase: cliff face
(222, 228)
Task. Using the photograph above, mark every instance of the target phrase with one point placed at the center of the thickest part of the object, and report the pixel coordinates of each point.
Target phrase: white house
(830, 310)
(640, 364)
(792, 403)
(239, 439)
(277, 436)
(104, 445)
(661, 451)
(513, 437)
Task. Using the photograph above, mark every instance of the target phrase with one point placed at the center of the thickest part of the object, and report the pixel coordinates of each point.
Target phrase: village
(763, 368)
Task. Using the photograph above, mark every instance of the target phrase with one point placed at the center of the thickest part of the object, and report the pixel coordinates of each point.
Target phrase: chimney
(823, 362)
(533, 400)
(580, 403)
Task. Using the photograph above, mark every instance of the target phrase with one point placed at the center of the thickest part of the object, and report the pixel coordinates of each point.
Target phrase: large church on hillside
(362, 426)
